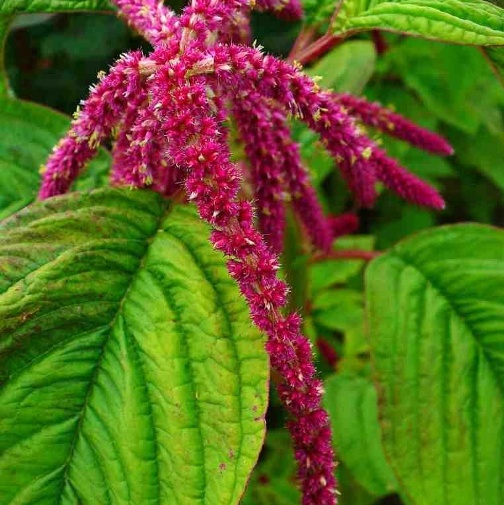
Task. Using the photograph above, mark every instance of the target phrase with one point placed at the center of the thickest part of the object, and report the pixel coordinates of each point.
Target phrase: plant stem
(349, 254)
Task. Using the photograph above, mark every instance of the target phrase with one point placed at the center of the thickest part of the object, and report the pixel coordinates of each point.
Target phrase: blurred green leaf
(429, 167)
(338, 309)
(29, 132)
(330, 272)
(462, 21)
(347, 68)
(485, 152)
(273, 480)
(318, 11)
(398, 220)
(26, 20)
(495, 56)
(356, 358)
(436, 323)
(25, 6)
(352, 493)
(95, 35)
(315, 156)
(432, 70)
(351, 403)
(5, 23)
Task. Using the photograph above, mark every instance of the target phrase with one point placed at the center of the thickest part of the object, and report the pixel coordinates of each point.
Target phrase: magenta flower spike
(103, 110)
(395, 125)
(344, 224)
(362, 163)
(253, 121)
(156, 22)
(168, 113)
(213, 183)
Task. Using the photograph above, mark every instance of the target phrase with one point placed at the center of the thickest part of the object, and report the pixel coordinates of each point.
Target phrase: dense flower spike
(344, 224)
(362, 163)
(266, 161)
(100, 113)
(373, 114)
(170, 112)
(156, 22)
(278, 172)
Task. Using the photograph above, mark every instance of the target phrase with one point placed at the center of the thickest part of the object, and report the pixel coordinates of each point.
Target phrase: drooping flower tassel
(395, 125)
(212, 183)
(104, 109)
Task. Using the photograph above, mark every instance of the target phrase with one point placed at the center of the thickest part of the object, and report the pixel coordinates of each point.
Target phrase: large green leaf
(351, 403)
(20, 6)
(436, 322)
(463, 21)
(29, 132)
(131, 371)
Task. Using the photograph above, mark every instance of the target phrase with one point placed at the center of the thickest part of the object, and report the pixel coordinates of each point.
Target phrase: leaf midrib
(442, 293)
(149, 240)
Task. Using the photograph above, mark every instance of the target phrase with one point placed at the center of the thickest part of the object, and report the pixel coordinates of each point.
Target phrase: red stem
(349, 254)
(319, 48)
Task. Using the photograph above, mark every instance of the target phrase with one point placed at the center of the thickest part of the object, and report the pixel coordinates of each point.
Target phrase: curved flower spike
(104, 109)
(404, 183)
(253, 119)
(358, 157)
(156, 22)
(395, 125)
(212, 183)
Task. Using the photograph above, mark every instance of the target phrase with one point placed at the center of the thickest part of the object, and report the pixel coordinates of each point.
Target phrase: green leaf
(5, 22)
(484, 151)
(347, 68)
(462, 99)
(495, 56)
(25, 6)
(338, 271)
(436, 323)
(273, 480)
(29, 132)
(463, 21)
(351, 492)
(351, 403)
(318, 11)
(131, 371)
(338, 309)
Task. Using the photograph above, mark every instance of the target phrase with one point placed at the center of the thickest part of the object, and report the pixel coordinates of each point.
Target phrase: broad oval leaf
(351, 404)
(130, 371)
(24, 6)
(473, 22)
(29, 132)
(436, 323)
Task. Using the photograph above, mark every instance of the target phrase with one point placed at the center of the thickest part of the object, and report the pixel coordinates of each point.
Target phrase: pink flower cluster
(168, 113)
